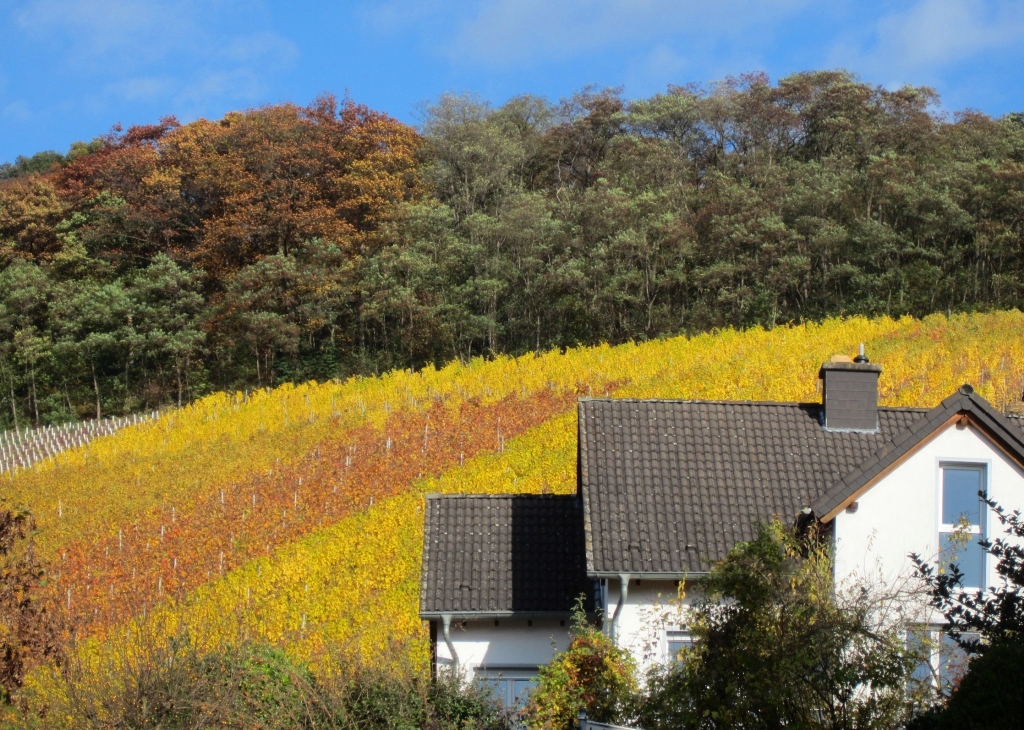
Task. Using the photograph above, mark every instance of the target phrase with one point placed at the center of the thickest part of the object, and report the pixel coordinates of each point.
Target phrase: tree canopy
(158, 263)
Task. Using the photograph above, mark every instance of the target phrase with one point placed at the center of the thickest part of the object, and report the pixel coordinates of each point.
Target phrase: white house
(667, 487)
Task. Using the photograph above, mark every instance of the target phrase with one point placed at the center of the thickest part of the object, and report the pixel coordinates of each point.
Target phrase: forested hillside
(158, 264)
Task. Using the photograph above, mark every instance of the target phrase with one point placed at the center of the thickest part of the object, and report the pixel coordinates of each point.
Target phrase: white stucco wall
(652, 607)
(900, 514)
(512, 643)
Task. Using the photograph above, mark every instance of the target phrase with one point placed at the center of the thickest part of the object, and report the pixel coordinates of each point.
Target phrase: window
(960, 529)
(511, 687)
(676, 641)
(943, 662)
(952, 662)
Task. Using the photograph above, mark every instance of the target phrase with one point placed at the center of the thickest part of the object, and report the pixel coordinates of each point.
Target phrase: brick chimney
(849, 397)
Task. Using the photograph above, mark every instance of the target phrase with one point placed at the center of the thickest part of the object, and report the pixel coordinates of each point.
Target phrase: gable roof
(492, 555)
(1004, 431)
(670, 486)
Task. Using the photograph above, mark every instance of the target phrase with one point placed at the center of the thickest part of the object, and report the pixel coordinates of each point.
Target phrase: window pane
(677, 641)
(495, 688)
(969, 557)
(960, 487)
(952, 664)
(521, 691)
(920, 643)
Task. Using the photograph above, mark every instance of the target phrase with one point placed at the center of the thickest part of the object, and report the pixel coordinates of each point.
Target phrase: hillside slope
(295, 514)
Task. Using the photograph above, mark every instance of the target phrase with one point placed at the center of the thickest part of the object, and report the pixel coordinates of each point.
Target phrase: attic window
(961, 527)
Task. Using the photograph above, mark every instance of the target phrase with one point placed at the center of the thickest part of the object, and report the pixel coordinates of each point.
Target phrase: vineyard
(294, 515)
(22, 449)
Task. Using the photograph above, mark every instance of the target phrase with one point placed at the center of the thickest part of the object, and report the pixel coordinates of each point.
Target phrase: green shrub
(592, 674)
(172, 684)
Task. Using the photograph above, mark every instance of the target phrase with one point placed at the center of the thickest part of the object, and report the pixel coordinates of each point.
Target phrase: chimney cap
(863, 367)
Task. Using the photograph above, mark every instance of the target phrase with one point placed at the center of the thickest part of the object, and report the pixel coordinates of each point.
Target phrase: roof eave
(901, 446)
(647, 574)
(485, 615)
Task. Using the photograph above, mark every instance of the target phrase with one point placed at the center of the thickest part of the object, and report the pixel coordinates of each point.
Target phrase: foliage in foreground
(989, 626)
(160, 683)
(29, 629)
(592, 674)
(775, 647)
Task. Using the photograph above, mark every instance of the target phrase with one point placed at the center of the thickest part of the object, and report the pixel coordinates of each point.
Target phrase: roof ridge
(790, 403)
(495, 495)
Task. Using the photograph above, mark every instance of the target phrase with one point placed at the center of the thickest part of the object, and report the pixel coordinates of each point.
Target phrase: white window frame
(938, 676)
(504, 676)
(981, 529)
(671, 636)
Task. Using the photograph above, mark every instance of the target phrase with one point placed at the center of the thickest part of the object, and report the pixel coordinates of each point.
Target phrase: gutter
(483, 615)
(446, 623)
(687, 575)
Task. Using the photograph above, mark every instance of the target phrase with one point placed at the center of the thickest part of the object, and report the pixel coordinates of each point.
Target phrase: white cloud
(241, 84)
(17, 111)
(154, 48)
(517, 32)
(97, 28)
(394, 15)
(934, 35)
(142, 88)
(264, 46)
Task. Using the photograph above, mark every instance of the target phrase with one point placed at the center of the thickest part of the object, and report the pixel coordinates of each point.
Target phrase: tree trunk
(96, 387)
(177, 370)
(14, 403)
(35, 400)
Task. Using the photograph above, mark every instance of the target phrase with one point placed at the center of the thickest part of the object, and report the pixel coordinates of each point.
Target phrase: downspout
(446, 623)
(623, 594)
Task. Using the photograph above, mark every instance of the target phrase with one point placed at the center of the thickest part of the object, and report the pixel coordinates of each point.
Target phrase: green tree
(774, 646)
(989, 626)
(25, 297)
(96, 330)
(167, 302)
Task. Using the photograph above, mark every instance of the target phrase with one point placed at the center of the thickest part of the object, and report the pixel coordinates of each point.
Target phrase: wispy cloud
(18, 111)
(931, 36)
(135, 44)
(509, 33)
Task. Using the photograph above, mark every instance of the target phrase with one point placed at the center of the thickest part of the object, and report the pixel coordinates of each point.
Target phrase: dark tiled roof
(670, 486)
(1005, 430)
(501, 553)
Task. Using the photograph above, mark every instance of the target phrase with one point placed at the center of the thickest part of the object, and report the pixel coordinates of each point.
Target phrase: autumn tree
(29, 631)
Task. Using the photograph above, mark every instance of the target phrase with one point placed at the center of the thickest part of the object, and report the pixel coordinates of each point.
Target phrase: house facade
(665, 488)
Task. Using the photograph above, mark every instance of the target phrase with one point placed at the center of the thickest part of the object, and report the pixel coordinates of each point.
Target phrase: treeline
(160, 263)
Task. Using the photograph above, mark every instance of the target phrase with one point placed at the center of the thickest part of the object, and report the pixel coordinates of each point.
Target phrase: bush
(989, 695)
(592, 674)
(174, 685)
(149, 683)
(775, 646)
(371, 699)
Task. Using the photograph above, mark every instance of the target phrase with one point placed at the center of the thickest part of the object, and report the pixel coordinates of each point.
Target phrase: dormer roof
(497, 555)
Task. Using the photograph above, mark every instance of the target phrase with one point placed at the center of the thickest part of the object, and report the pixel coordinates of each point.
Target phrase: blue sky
(69, 69)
